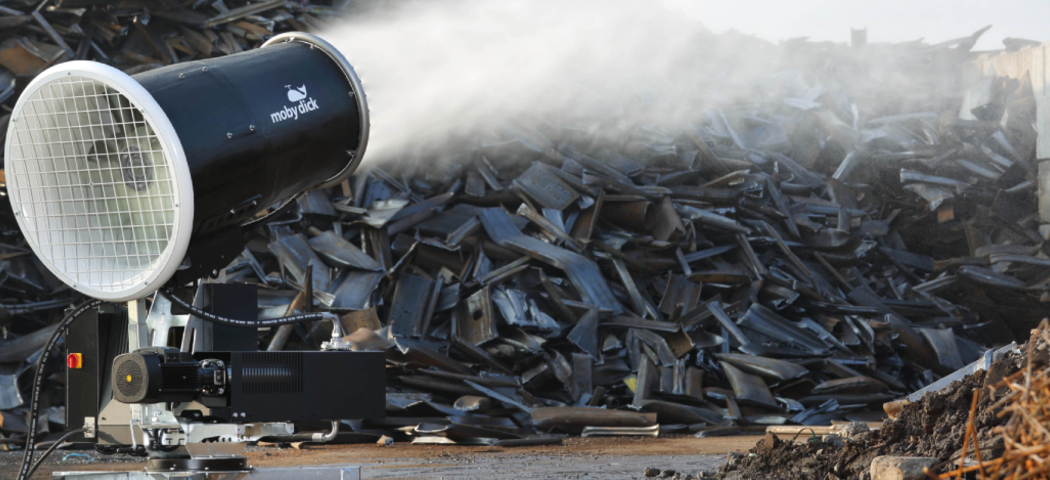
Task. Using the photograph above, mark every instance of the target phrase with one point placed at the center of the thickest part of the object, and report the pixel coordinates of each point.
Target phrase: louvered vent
(271, 372)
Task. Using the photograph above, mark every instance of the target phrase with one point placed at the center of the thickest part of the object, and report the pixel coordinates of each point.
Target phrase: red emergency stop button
(75, 360)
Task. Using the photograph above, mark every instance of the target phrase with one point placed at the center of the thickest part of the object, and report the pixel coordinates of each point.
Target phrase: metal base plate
(220, 464)
(324, 472)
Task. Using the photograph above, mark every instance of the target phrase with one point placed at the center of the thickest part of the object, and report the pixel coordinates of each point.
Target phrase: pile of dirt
(776, 459)
(932, 427)
(935, 426)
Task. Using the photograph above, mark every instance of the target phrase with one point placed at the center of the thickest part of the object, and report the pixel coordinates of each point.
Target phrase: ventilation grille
(91, 183)
(129, 370)
(272, 372)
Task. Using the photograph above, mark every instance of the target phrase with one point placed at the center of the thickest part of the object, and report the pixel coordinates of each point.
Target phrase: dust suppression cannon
(130, 189)
(114, 179)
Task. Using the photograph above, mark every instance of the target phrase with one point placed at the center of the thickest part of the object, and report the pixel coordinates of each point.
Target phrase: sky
(886, 20)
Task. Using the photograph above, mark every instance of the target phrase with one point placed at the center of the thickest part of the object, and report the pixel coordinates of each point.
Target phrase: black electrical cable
(38, 382)
(106, 449)
(136, 451)
(233, 322)
(52, 448)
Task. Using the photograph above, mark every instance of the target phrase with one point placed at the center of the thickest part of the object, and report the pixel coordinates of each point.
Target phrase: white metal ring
(99, 181)
(355, 85)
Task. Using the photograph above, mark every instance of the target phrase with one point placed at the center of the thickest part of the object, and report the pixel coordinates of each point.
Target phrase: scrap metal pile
(137, 36)
(842, 234)
(799, 257)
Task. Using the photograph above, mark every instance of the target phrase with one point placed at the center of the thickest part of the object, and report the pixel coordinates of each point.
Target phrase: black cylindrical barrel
(258, 127)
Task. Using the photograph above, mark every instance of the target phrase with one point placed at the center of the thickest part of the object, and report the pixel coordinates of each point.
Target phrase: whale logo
(301, 105)
(296, 94)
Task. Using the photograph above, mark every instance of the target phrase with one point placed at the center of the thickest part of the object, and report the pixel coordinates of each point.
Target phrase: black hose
(304, 437)
(52, 448)
(234, 322)
(106, 449)
(136, 451)
(38, 383)
(293, 438)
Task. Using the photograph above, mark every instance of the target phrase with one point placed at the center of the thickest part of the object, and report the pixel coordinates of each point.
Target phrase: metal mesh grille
(129, 370)
(92, 182)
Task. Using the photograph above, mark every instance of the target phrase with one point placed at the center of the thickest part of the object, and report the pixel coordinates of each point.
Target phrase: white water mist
(433, 70)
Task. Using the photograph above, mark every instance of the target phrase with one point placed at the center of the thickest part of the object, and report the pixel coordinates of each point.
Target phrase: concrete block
(899, 468)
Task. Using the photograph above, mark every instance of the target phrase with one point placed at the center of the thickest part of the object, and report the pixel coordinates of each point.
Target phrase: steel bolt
(229, 135)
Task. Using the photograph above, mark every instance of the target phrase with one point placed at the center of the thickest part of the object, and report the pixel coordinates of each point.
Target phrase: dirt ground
(612, 458)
